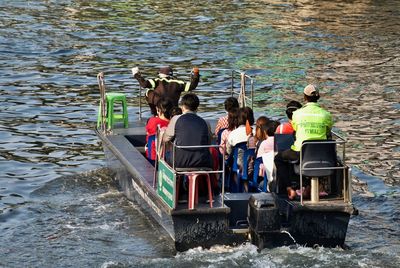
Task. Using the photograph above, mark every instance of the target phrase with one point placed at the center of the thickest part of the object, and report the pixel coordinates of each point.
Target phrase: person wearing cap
(286, 127)
(311, 122)
(165, 86)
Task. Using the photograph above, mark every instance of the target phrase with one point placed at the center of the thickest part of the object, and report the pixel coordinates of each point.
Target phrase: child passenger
(163, 109)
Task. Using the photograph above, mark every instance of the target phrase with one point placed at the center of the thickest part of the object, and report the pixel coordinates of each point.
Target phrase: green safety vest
(311, 122)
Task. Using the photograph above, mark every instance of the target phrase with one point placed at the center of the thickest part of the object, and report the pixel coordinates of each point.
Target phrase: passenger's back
(192, 130)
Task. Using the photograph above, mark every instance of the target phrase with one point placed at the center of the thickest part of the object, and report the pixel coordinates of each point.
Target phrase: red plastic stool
(194, 191)
(193, 186)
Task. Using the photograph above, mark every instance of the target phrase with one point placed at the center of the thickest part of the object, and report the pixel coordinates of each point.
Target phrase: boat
(266, 219)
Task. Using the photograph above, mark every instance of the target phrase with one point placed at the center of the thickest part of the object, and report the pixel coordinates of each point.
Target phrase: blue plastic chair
(242, 146)
(254, 182)
(150, 140)
(246, 155)
(232, 161)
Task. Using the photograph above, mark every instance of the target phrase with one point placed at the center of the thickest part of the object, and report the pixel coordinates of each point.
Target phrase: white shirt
(237, 135)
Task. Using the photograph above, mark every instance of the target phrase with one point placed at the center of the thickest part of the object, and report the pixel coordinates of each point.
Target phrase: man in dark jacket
(189, 129)
(165, 86)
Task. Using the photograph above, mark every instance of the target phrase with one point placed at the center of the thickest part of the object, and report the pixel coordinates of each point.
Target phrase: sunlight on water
(59, 206)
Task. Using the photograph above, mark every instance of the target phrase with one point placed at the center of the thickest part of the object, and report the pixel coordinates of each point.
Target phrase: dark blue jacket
(189, 129)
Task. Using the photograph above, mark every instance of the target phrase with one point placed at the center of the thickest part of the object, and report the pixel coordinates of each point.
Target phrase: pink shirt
(266, 146)
(224, 139)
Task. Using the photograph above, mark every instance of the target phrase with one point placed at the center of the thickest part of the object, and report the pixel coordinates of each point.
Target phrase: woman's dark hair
(260, 123)
(249, 115)
(233, 118)
(291, 107)
(231, 103)
(242, 117)
(190, 101)
(165, 107)
(270, 127)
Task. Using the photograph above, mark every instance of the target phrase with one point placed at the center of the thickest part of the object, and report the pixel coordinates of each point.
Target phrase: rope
(242, 94)
(102, 88)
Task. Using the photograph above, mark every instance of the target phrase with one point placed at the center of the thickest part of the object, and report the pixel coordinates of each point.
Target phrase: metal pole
(252, 93)
(350, 197)
(140, 103)
(156, 144)
(173, 156)
(301, 176)
(223, 178)
(232, 82)
(102, 88)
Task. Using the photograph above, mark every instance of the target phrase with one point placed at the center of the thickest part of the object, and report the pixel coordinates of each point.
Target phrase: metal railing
(200, 171)
(346, 184)
(161, 154)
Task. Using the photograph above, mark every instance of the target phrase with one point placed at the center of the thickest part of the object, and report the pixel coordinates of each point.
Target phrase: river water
(58, 205)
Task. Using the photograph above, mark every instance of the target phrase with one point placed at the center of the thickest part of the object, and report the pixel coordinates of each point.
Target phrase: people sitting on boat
(229, 104)
(267, 145)
(266, 150)
(260, 135)
(233, 115)
(286, 127)
(311, 122)
(165, 86)
(189, 129)
(241, 134)
(163, 108)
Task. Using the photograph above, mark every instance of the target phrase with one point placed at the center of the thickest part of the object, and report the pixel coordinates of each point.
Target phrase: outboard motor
(264, 220)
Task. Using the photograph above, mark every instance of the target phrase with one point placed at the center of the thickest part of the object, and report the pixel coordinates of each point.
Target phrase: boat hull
(323, 228)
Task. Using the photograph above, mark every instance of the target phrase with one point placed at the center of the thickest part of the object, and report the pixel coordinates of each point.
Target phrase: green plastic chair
(112, 118)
